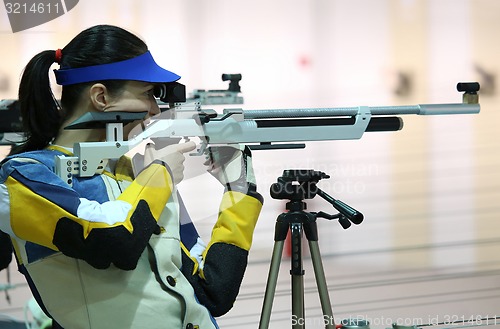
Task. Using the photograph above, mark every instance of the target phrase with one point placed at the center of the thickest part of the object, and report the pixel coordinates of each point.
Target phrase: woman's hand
(172, 155)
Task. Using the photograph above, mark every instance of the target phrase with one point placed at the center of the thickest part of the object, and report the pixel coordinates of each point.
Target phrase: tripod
(297, 185)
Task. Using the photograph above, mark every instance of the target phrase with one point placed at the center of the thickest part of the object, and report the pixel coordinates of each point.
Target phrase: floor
(360, 287)
(426, 254)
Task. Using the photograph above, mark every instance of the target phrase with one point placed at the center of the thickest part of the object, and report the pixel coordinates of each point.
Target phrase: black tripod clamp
(295, 221)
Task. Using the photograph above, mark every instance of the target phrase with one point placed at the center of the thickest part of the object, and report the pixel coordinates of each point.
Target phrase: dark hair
(42, 116)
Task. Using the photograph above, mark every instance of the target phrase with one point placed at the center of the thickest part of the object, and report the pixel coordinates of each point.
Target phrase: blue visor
(140, 68)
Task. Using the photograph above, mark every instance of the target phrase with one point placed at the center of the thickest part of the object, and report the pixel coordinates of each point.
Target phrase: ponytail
(40, 111)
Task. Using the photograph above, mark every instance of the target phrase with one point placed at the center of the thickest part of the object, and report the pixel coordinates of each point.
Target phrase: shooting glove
(232, 166)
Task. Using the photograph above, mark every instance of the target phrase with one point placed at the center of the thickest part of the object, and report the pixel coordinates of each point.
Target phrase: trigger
(199, 151)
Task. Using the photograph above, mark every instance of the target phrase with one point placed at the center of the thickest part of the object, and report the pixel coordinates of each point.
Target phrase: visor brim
(140, 68)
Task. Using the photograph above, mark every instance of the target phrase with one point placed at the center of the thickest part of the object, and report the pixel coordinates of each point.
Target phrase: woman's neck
(68, 137)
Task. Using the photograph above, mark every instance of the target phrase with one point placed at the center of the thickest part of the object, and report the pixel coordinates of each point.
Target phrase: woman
(116, 250)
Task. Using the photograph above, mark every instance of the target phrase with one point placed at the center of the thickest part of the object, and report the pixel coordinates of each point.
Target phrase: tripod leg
(297, 273)
(298, 302)
(271, 285)
(322, 287)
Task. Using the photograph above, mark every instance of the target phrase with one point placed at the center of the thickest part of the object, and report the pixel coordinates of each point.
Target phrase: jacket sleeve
(47, 212)
(217, 274)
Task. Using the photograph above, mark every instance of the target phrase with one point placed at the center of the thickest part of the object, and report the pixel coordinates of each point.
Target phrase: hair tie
(58, 56)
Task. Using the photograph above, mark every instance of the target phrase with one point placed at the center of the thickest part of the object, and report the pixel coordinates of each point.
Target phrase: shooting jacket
(116, 252)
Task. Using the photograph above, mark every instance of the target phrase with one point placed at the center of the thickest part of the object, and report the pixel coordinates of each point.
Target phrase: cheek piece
(140, 68)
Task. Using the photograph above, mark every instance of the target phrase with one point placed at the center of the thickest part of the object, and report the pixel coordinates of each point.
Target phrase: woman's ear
(99, 96)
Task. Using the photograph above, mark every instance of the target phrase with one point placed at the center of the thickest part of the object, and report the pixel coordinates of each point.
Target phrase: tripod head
(299, 184)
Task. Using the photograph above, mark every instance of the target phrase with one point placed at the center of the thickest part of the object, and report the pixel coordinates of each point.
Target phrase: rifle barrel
(421, 109)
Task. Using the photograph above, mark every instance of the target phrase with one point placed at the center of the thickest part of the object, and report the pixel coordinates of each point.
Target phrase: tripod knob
(344, 222)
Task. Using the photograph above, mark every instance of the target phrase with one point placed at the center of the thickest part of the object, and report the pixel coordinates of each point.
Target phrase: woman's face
(136, 96)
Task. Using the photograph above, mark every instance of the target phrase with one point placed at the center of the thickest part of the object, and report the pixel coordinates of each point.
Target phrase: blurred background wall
(415, 186)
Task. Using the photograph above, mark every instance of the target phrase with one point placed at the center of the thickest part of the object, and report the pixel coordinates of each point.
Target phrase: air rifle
(183, 118)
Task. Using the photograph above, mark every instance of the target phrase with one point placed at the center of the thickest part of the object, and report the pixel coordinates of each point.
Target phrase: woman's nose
(155, 109)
